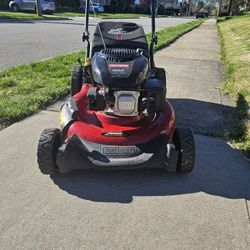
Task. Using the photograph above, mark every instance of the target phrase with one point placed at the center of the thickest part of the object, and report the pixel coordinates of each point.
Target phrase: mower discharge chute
(117, 116)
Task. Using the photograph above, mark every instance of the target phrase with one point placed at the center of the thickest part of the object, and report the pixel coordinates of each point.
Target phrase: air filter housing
(119, 68)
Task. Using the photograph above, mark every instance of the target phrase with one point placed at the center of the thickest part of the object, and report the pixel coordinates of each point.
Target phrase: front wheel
(184, 143)
(47, 149)
(14, 8)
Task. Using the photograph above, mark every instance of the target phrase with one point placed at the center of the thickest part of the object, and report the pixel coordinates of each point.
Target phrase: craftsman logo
(120, 69)
(117, 31)
(118, 65)
(119, 150)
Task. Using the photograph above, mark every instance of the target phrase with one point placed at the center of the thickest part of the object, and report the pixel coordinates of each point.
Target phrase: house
(169, 4)
(165, 5)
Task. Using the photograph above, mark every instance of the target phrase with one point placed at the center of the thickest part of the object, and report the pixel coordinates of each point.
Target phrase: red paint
(92, 125)
(119, 37)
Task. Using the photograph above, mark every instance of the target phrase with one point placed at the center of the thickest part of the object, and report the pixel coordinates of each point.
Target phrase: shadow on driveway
(203, 117)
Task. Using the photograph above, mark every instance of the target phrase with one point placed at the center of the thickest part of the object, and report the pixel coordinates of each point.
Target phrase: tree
(229, 9)
(200, 4)
(235, 6)
(117, 6)
(248, 5)
(38, 8)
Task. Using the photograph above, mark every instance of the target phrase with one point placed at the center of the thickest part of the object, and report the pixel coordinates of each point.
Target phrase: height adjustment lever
(154, 39)
(85, 36)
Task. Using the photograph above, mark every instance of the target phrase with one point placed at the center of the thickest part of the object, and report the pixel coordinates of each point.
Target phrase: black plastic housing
(126, 73)
(96, 99)
(118, 35)
(78, 153)
(155, 93)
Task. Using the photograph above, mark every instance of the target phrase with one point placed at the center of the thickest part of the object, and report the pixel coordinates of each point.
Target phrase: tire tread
(184, 142)
(46, 151)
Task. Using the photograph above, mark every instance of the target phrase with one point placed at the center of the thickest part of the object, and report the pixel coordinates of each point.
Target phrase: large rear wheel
(76, 80)
(184, 142)
(161, 75)
(47, 149)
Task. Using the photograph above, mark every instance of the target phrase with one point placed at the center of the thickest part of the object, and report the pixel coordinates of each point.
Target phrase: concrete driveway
(206, 209)
(27, 41)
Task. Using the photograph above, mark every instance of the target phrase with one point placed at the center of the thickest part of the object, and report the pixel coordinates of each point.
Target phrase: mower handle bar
(85, 36)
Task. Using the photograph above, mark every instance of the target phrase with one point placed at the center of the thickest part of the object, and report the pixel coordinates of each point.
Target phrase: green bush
(4, 4)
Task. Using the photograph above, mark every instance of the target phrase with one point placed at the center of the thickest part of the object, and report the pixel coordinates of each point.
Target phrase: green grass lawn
(69, 14)
(106, 15)
(235, 53)
(19, 15)
(24, 16)
(119, 15)
(60, 15)
(103, 15)
(26, 89)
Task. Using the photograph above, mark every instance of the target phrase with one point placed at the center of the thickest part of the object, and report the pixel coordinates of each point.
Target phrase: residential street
(142, 209)
(27, 41)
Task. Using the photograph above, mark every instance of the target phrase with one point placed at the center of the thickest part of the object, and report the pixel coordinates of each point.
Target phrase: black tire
(184, 142)
(76, 80)
(14, 8)
(161, 75)
(47, 149)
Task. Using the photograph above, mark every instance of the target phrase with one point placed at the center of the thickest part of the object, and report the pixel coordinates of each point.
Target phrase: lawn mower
(117, 116)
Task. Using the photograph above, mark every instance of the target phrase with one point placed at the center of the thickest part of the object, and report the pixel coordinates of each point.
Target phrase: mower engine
(136, 126)
(124, 86)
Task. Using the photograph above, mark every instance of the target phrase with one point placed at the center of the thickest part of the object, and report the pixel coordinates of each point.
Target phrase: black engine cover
(156, 94)
(119, 68)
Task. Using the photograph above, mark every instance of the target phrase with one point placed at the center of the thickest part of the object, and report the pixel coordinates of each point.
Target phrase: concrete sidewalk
(206, 209)
(194, 81)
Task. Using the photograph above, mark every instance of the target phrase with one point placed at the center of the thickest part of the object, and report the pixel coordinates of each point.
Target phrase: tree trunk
(229, 10)
(189, 2)
(156, 7)
(219, 8)
(248, 5)
(38, 8)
